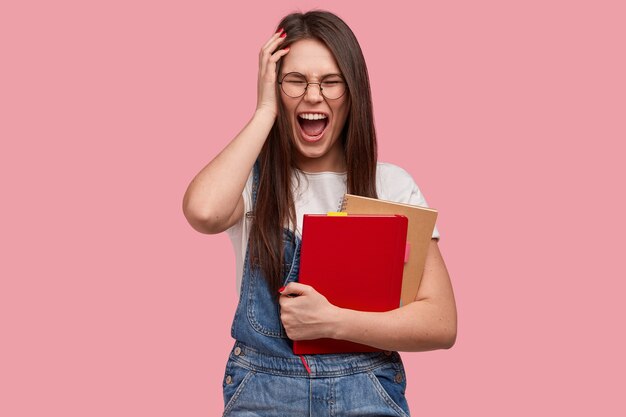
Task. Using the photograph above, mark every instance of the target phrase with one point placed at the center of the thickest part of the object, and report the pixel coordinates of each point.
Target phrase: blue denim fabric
(264, 378)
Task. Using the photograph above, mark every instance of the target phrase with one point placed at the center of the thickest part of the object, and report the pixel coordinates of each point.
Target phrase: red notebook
(356, 262)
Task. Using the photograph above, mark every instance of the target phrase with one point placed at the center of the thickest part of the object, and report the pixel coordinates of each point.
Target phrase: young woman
(310, 140)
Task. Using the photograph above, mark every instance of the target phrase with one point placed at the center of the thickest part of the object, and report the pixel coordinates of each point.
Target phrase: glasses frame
(319, 84)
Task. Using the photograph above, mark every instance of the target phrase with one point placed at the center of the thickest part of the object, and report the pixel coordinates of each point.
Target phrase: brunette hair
(275, 203)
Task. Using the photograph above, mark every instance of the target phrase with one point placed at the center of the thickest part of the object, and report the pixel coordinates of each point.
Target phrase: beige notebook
(419, 234)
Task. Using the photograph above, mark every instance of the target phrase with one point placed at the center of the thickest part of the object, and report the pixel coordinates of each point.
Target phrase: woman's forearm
(213, 194)
(419, 326)
(426, 324)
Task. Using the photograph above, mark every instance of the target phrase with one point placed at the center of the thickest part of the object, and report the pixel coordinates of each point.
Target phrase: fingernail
(286, 49)
(279, 30)
(283, 35)
(281, 289)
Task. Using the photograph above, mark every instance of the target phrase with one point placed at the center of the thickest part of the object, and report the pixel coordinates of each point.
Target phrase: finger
(271, 46)
(274, 36)
(276, 56)
(267, 63)
(296, 288)
(286, 303)
(284, 295)
(282, 299)
(272, 62)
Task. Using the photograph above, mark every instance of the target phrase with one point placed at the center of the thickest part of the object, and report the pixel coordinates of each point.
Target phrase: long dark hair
(275, 208)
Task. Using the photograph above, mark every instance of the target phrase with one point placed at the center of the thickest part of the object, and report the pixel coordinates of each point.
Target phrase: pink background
(509, 115)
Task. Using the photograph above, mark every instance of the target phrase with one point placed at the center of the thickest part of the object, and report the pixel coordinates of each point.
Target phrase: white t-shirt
(321, 192)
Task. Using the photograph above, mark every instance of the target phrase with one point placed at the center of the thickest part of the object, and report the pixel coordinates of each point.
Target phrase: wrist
(265, 114)
(338, 323)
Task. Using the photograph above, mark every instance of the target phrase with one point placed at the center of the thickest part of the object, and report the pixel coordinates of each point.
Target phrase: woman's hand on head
(306, 314)
(266, 87)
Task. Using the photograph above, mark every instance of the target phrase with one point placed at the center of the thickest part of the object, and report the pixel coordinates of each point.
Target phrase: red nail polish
(283, 35)
(281, 289)
(279, 30)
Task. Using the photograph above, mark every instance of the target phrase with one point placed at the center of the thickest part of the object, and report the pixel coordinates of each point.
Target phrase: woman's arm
(426, 324)
(213, 201)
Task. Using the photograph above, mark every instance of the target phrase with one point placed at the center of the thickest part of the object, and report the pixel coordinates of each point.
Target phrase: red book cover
(356, 262)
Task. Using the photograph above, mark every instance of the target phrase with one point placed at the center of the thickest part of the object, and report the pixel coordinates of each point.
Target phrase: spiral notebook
(419, 234)
(356, 262)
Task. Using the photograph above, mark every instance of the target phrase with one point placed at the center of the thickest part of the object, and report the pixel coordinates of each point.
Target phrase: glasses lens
(333, 87)
(294, 85)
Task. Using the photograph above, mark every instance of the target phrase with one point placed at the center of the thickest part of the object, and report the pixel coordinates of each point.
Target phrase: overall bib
(265, 378)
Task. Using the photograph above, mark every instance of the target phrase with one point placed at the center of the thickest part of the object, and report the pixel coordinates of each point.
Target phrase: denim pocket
(390, 383)
(235, 380)
(263, 310)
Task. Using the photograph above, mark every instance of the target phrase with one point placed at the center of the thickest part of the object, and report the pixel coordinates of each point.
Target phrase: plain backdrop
(510, 115)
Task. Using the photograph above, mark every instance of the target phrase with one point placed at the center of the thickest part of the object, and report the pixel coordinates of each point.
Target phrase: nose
(313, 93)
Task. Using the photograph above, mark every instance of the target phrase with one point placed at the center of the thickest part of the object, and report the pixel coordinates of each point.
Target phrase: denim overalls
(265, 378)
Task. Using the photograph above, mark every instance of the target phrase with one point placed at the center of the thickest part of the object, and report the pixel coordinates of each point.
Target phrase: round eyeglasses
(295, 85)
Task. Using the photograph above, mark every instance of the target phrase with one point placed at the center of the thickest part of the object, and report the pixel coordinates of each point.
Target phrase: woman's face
(317, 143)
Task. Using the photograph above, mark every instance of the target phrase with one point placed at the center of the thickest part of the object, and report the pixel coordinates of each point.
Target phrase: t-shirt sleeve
(238, 233)
(395, 184)
(237, 228)
(417, 199)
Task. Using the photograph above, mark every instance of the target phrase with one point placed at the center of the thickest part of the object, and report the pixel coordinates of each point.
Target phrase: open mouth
(312, 126)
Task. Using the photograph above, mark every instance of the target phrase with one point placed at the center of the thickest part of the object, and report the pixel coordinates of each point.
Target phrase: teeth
(312, 116)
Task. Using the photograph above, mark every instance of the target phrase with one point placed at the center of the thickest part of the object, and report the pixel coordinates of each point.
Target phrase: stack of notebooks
(369, 257)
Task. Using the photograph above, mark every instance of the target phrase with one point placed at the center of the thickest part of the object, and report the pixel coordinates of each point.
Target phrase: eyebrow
(321, 76)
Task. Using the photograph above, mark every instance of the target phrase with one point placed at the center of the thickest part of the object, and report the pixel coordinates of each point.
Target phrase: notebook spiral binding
(343, 201)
